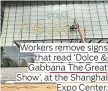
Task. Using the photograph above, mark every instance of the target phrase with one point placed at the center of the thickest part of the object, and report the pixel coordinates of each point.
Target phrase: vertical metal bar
(67, 18)
(7, 24)
(99, 20)
(52, 21)
(22, 20)
(59, 21)
(44, 20)
(30, 20)
(105, 13)
(14, 24)
(37, 21)
(91, 18)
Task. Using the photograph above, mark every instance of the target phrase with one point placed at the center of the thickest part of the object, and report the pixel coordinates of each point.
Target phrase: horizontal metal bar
(62, 39)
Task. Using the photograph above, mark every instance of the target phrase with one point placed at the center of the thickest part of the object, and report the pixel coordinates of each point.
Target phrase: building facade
(49, 22)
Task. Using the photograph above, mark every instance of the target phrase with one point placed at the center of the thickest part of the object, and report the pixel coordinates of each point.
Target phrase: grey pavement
(10, 73)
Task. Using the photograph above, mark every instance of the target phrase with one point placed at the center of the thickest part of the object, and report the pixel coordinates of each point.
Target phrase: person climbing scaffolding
(76, 26)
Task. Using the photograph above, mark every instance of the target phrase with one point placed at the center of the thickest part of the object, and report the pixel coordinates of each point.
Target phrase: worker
(79, 30)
